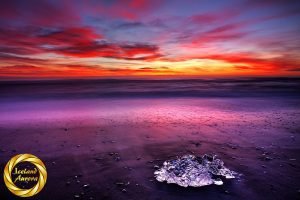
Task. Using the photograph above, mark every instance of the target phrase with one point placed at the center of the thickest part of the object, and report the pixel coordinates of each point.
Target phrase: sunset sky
(117, 38)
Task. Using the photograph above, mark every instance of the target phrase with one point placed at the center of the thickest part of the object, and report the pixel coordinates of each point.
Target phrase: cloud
(69, 36)
(130, 25)
(232, 24)
(74, 42)
(25, 71)
(38, 12)
(229, 32)
(33, 40)
(18, 59)
(54, 71)
(18, 41)
(135, 51)
(296, 69)
(210, 29)
(253, 62)
(215, 16)
(62, 31)
(63, 71)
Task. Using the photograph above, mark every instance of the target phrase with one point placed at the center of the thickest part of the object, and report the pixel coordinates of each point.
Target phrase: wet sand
(113, 145)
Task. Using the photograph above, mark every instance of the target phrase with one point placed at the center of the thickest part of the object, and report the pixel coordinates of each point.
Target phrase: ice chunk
(190, 170)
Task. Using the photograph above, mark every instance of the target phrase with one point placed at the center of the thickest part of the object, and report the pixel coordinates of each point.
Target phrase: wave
(124, 88)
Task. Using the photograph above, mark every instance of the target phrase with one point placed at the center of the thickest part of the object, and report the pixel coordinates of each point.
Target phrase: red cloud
(37, 71)
(73, 41)
(72, 35)
(31, 71)
(134, 9)
(25, 71)
(35, 40)
(111, 50)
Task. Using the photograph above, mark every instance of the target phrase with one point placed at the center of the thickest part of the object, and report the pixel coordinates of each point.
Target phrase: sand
(107, 148)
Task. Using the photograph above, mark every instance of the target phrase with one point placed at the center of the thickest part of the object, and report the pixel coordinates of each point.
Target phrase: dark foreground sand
(113, 145)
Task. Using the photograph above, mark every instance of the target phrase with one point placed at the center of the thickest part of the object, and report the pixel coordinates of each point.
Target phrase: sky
(140, 38)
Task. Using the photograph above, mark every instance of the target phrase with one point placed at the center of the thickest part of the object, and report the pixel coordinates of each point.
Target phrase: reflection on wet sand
(108, 148)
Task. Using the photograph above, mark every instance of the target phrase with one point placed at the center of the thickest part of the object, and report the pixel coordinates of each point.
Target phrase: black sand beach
(102, 139)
